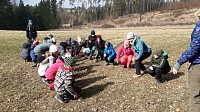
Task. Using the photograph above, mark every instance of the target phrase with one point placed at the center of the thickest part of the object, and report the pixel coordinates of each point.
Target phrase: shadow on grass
(89, 92)
(86, 82)
(88, 70)
(171, 76)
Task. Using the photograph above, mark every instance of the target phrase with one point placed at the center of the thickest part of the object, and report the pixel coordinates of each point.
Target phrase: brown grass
(105, 88)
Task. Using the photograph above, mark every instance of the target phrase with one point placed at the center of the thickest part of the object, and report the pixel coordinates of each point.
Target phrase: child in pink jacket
(127, 54)
(52, 70)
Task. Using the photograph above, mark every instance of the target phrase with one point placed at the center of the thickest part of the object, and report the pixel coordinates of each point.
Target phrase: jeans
(138, 63)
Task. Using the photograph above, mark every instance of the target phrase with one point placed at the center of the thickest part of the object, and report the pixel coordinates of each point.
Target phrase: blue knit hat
(30, 20)
(72, 41)
(92, 32)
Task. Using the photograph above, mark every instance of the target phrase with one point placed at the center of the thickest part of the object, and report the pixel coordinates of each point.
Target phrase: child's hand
(175, 71)
(151, 68)
(133, 59)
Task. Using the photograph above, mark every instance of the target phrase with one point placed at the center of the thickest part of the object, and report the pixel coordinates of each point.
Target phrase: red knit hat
(98, 36)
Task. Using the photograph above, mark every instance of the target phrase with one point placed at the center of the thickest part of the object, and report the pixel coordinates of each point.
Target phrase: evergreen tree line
(50, 14)
(15, 16)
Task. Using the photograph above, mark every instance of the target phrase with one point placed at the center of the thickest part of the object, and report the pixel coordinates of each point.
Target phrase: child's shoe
(59, 98)
(107, 63)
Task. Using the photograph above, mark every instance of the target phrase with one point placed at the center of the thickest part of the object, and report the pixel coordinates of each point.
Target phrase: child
(109, 53)
(64, 82)
(33, 56)
(159, 65)
(127, 54)
(25, 53)
(100, 45)
(50, 59)
(91, 44)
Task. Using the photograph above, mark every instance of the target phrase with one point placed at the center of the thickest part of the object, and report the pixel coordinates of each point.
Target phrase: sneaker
(142, 72)
(136, 75)
(159, 81)
(125, 66)
(59, 98)
(107, 63)
(46, 81)
(35, 65)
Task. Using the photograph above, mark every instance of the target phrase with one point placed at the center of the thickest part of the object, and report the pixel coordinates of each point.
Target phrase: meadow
(104, 88)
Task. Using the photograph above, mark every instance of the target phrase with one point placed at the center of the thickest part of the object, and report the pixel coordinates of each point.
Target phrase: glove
(104, 55)
(108, 58)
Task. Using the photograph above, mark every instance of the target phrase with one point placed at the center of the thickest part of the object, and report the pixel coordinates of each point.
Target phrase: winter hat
(50, 35)
(35, 42)
(126, 42)
(159, 52)
(53, 48)
(107, 43)
(130, 35)
(92, 32)
(30, 20)
(72, 41)
(53, 40)
(98, 36)
(69, 60)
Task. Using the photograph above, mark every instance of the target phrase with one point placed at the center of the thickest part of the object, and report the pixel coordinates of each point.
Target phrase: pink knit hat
(126, 42)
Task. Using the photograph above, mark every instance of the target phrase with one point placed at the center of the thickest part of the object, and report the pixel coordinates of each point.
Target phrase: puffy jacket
(140, 47)
(25, 53)
(48, 62)
(124, 51)
(52, 70)
(42, 48)
(110, 51)
(192, 54)
(100, 45)
(161, 63)
(91, 41)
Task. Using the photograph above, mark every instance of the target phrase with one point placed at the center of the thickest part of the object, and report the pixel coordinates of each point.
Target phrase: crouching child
(64, 82)
(159, 65)
(109, 53)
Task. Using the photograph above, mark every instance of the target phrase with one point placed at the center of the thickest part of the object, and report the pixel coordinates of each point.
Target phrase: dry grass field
(104, 88)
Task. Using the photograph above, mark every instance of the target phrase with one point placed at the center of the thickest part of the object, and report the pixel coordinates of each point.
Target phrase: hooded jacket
(52, 70)
(42, 48)
(110, 51)
(140, 47)
(100, 45)
(64, 81)
(25, 53)
(161, 63)
(124, 51)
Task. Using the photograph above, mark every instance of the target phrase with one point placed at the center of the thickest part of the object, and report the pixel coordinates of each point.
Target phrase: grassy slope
(105, 88)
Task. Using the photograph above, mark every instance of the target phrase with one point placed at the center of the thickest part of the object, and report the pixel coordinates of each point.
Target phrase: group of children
(55, 62)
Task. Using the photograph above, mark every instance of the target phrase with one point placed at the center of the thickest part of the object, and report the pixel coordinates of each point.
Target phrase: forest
(51, 14)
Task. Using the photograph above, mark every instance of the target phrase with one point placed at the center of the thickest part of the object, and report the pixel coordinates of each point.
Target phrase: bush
(106, 25)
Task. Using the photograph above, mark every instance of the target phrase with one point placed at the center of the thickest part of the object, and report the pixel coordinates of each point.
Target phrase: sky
(34, 2)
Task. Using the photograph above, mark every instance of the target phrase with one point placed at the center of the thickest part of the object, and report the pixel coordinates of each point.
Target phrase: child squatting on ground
(159, 65)
(64, 81)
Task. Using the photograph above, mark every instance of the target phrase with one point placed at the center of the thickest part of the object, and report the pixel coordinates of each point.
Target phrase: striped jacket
(192, 54)
(64, 81)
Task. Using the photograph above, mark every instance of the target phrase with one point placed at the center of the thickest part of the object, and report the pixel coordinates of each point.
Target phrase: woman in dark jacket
(31, 32)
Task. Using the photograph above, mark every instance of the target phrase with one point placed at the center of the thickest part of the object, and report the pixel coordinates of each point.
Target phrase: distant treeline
(50, 14)
(15, 16)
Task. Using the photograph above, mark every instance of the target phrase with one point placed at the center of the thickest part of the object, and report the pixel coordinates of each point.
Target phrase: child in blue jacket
(109, 53)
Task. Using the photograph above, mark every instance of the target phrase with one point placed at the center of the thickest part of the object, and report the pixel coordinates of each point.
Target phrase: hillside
(156, 18)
